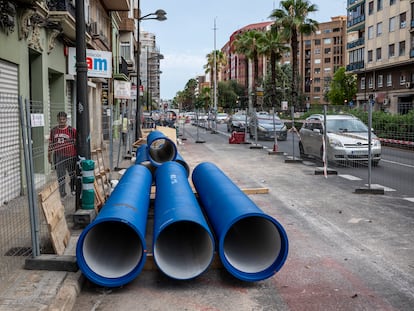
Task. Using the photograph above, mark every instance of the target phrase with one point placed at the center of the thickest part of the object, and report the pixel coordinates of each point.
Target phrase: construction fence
(27, 178)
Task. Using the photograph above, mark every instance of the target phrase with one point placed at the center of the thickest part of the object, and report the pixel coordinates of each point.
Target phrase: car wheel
(375, 163)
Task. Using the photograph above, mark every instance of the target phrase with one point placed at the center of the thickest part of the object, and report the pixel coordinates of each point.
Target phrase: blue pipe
(252, 246)
(160, 148)
(142, 158)
(111, 250)
(179, 159)
(183, 245)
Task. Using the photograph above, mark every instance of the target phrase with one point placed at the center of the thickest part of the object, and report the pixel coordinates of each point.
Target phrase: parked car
(347, 139)
(237, 122)
(222, 117)
(267, 126)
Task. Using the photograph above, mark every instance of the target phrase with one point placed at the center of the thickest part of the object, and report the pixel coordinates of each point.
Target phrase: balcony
(116, 5)
(126, 24)
(356, 43)
(63, 12)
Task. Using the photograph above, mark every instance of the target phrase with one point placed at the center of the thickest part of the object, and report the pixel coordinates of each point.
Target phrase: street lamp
(160, 16)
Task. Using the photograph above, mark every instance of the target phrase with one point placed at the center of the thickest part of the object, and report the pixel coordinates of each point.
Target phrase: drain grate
(19, 251)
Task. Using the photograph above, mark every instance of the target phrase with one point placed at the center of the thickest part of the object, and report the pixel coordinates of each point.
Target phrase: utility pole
(82, 108)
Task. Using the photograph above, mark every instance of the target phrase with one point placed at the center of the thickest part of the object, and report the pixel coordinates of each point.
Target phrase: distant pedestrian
(62, 145)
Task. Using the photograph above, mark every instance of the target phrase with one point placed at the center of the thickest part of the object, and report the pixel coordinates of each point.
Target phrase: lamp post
(82, 108)
(160, 16)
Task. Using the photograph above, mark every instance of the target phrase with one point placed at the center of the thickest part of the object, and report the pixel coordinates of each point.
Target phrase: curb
(66, 296)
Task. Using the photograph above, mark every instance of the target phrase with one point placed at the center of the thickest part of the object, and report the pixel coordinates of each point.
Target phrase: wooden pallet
(54, 212)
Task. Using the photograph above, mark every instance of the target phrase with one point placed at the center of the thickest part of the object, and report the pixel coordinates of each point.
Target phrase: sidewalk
(338, 242)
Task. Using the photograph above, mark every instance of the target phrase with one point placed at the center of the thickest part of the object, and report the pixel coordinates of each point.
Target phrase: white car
(222, 117)
(347, 139)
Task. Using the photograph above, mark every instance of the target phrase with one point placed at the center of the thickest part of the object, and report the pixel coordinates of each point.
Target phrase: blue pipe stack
(111, 251)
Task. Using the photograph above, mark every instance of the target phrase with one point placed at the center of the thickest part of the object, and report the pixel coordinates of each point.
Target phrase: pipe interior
(252, 244)
(112, 249)
(183, 250)
(162, 150)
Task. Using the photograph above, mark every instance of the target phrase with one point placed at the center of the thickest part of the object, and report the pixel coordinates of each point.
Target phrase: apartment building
(320, 55)
(380, 47)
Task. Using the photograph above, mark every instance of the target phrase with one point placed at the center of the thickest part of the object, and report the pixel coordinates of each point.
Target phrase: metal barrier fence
(25, 171)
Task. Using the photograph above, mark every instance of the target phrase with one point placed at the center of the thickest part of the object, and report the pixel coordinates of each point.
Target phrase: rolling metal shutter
(10, 177)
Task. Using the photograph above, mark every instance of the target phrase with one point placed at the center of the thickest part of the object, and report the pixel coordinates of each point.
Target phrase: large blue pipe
(160, 148)
(111, 250)
(179, 159)
(252, 246)
(183, 245)
(142, 158)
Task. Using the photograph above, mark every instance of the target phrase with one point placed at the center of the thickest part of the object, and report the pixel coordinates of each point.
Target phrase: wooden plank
(256, 190)
(54, 213)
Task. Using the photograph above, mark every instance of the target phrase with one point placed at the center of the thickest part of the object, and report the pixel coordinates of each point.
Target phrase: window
(317, 51)
(370, 56)
(327, 50)
(389, 79)
(317, 70)
(401, 49)
(317, 89)
(317, 41)
(403, 20)
(402, 79)
(327, 41)
(378, 53)
(370, 32)
(380, 80)
(327, 60)
(370, 82)
(391, 50)
(125, 50)
(392, 24)
(379, 5)
(363, 83)
(371, 8)
(379, 29)
(392, 2)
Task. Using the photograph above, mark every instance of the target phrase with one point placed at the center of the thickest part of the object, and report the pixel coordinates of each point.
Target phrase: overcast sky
(187, 36)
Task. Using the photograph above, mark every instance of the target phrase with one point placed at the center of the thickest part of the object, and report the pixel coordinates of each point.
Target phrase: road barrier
(111, 250)
(252, 245)
(183, 246)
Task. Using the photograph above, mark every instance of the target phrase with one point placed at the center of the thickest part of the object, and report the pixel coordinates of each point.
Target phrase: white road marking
(376, 186)
(349, 177)
(409, 199)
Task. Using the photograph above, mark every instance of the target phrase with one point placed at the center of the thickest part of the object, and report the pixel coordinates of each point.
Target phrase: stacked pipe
(252, 245)
(111, 250)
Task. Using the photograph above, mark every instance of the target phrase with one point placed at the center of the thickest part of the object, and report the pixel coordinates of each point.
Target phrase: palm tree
(273, 46)
(292, 18)
(247, 44)
(221, 61)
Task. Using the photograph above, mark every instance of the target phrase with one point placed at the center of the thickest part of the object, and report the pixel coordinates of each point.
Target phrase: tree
(292, 18)
(220, 62)
(246, 43)
(229, 93)
(343, 87)
(272, 45)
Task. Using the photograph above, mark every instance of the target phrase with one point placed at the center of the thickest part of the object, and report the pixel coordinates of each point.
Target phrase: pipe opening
(112, 249)
(252, 244)
(162, 150)
(183, 250)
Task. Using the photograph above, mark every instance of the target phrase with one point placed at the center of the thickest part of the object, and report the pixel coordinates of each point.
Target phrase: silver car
(347, 139)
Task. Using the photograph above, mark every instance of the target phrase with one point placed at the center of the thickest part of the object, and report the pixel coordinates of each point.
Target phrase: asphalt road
(347, 251)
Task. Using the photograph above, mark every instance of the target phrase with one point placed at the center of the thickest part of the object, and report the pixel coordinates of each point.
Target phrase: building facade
(37, 40)
(380, 47)
(320, 55)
